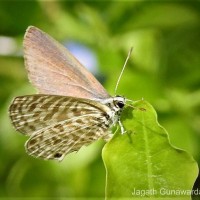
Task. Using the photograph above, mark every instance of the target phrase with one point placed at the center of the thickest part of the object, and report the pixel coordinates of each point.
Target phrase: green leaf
(142, 163)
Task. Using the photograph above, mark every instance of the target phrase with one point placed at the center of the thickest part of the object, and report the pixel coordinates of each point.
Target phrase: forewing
(54, 142)
(34, 112)
(52, 69)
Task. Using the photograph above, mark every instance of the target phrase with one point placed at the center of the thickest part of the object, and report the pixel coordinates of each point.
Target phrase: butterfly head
(119, 101)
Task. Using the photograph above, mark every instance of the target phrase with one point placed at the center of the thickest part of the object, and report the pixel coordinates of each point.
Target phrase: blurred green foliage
(164, 69)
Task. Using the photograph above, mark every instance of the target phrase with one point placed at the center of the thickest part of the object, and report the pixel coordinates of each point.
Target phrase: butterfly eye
(120, 104)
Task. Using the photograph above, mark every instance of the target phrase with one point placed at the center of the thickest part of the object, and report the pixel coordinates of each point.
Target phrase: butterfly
(72, 108)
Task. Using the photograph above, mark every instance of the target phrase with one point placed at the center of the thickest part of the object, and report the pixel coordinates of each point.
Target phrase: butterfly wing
(52, 69)
(58, 125)
(55, 141)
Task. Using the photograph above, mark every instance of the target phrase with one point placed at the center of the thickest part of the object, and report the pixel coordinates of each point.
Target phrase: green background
(164, 69)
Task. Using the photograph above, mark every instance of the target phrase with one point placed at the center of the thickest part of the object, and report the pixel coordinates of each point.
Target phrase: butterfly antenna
(129, 53)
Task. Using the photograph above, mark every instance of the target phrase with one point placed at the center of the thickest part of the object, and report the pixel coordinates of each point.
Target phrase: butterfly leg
(121, 127)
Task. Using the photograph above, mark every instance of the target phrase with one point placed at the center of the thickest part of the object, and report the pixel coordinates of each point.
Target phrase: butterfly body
(72, 110)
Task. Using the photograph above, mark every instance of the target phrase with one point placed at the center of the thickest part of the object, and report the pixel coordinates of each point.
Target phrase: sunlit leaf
(142, 162)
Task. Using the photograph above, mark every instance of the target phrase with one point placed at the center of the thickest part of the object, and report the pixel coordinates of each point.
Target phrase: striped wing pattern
(58, 125)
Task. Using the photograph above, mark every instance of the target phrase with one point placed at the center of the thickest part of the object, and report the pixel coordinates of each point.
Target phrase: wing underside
(58, 125)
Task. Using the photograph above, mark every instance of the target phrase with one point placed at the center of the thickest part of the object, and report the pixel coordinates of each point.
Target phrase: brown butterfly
(72, 110)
